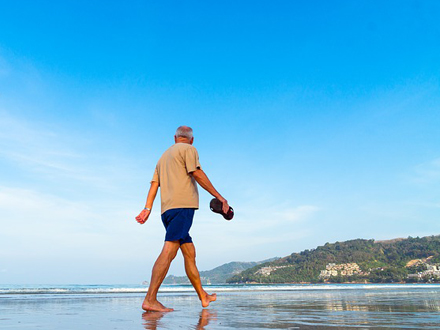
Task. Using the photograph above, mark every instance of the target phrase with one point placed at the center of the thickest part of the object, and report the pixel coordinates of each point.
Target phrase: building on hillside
(347, 269)
(266, 271)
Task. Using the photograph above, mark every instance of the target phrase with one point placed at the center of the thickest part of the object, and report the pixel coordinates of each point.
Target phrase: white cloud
(50, 153)
(427, 173)
(425, 204)
(297, 213)
(271, 214)
(35, 148)
(42, 225)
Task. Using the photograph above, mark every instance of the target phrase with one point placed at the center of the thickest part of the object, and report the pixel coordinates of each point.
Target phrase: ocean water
(339, 306)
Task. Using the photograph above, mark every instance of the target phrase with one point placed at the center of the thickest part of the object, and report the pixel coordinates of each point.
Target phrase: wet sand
(412, 308)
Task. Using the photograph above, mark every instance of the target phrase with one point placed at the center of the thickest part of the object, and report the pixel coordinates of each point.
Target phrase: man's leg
(189, 255)
(159, 272)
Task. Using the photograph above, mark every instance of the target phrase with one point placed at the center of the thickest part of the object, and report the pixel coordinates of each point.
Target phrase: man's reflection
(206, 315)
(152, 319)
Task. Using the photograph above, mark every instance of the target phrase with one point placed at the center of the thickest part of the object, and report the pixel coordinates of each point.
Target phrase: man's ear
(192, 140)
(175, 139)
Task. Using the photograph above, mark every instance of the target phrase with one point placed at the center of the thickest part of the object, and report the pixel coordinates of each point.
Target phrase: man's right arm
(145, 213)
(203, 180)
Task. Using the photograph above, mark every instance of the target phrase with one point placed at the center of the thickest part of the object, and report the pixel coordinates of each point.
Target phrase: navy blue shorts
(177, 222)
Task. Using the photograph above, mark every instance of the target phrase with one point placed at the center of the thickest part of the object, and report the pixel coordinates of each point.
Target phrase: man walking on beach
(176, 173)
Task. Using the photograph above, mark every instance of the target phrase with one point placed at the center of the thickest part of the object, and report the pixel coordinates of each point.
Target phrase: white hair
(184, 132)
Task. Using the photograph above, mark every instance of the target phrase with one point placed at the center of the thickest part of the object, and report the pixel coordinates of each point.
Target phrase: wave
(118, 289)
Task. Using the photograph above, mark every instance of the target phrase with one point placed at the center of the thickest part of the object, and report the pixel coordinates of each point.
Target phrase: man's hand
(225, 205)
(143, 216)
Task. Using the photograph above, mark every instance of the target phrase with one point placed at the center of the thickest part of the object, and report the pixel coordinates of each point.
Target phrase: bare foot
(155, 306)
(208, 298)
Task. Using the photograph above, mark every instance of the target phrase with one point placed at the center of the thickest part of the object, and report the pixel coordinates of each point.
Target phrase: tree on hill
(384, 261)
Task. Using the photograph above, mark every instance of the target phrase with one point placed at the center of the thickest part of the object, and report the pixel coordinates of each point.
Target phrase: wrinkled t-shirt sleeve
(155, 176)
(192, 160)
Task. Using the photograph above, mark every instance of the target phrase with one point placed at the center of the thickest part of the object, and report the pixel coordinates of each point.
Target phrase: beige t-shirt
(178, 189)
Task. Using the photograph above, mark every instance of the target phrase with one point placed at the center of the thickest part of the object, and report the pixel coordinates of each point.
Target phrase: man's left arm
(203, 180)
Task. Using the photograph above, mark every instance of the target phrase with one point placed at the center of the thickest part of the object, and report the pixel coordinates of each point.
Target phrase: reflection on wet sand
(152, 319)
(205, 317)
(411, 308)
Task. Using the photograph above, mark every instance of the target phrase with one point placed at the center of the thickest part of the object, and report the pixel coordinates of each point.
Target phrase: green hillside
(360, 260)
(217, 275)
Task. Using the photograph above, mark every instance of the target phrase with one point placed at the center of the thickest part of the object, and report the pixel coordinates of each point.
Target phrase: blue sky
(317, 120)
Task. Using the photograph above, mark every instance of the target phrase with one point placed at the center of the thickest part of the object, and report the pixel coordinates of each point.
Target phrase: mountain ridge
(219, 274)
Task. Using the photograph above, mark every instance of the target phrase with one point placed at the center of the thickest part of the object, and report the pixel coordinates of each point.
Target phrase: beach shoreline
(275, 307)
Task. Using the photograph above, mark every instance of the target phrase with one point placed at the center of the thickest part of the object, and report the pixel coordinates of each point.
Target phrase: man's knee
(170, 249)
(172, 255)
